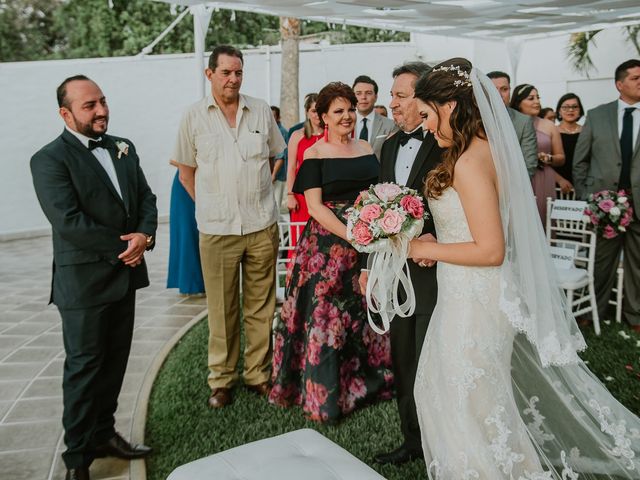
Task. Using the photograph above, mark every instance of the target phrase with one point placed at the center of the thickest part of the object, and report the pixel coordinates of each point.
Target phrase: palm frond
(578, 51)
(633, 32)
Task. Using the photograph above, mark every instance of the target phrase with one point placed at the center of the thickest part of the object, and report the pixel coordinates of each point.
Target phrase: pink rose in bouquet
(606, 205)
(609, 232)
(370, 212)
(391, 222)
(387, 191)
(361, 233)
(413, 206)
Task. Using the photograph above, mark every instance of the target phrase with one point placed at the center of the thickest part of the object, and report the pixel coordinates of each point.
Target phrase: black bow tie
(405, 137)
(97, 144)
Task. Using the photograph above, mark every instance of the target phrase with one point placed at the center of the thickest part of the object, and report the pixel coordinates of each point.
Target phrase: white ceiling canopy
(489, 19)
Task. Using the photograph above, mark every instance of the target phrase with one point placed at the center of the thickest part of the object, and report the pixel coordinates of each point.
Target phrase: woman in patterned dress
(326, 357)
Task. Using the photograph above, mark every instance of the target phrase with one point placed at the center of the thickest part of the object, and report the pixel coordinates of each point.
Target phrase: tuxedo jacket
(428, 157)
(88, 217)
(526, 133)
(382, 128)
(597, 160)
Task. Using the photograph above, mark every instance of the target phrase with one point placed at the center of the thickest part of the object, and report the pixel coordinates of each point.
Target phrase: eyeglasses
(566, 108)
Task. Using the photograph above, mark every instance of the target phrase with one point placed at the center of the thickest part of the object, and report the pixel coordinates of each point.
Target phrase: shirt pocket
(208, 155)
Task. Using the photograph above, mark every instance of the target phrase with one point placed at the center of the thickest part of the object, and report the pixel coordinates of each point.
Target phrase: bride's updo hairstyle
(445, 82)
(329, 93)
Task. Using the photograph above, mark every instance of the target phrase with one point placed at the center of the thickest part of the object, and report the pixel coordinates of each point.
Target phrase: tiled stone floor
(31, 358)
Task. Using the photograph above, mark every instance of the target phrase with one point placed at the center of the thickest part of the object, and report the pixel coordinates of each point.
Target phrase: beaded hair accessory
(464, 79)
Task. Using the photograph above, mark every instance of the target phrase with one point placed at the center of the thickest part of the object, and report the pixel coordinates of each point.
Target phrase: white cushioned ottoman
(301, 455)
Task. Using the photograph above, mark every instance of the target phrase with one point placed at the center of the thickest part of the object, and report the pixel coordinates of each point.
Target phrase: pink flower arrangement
(609, 212)
(392, 221)
(382, 212)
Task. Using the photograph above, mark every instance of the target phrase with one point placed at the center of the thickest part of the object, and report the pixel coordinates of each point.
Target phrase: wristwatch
(149, 241)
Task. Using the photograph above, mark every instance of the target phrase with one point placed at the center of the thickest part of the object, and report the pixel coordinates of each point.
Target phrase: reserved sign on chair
(568, 209)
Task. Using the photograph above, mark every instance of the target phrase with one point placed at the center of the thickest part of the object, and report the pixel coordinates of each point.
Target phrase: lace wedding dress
(500, 390)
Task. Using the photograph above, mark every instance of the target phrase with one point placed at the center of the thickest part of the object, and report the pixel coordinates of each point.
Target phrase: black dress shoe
(119, 447)
(398, 456)
(81, 473)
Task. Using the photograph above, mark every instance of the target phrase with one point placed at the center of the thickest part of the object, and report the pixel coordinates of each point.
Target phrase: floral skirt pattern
(325, 356)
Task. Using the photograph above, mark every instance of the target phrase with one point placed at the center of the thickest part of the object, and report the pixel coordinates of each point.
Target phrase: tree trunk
(289, 98)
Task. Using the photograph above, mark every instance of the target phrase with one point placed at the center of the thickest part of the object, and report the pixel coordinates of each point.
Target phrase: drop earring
(326, 133)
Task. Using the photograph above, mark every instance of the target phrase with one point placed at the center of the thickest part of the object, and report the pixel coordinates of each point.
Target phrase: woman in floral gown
(326, 357)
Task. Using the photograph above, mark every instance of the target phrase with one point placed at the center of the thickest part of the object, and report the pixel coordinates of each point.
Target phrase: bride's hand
(423, 262)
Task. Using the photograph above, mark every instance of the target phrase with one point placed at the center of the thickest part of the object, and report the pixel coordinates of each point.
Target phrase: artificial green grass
(181, 428)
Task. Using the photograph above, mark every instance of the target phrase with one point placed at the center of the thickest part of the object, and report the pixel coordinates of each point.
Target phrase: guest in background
(381, 110)
(279, 172)
(300, 140)
(185, 271)
(326, 357)
(523, 124)
(224, 146)
(550, 153)
(607, 157)
(548, 113)
(370, 126)
(569, 111)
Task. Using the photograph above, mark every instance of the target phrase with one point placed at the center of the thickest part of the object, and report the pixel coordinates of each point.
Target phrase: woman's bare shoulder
(475, 160)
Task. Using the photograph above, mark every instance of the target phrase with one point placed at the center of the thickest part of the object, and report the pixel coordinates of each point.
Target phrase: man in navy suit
(103, 217)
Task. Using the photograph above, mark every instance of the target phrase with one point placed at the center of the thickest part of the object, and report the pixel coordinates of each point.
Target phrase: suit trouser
(222, 256)
(407, 337)
(607, 259)
(97, 341)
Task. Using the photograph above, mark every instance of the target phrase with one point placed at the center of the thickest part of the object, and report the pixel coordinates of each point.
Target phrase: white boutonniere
(123, 148)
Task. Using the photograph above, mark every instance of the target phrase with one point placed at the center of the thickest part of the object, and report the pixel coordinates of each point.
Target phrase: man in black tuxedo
(406, 158)
(103, 217)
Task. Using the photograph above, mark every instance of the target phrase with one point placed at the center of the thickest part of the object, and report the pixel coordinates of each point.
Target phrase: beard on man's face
(93, 129)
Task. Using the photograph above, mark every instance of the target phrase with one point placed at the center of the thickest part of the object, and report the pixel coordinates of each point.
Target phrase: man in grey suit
(523, 124)
(370, 125)
(607, 157)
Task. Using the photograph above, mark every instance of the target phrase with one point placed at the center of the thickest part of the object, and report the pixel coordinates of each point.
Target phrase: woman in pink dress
(299, 141)
(550, 152)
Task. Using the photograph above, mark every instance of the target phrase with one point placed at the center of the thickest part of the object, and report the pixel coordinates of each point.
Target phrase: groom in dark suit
(406, 158)
(103, 217)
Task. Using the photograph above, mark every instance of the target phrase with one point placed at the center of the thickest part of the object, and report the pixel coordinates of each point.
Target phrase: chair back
(570, 195)
(566, 215)
(568, 234)
(287, 231)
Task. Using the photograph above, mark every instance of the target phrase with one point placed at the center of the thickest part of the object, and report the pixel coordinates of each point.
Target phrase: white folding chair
(287, 231)
(573, 249)
(617, 290)
(560, 195)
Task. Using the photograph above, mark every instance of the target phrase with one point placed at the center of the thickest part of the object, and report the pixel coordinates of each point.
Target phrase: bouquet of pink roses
(384, 213)
(609, 212)
(382, 222)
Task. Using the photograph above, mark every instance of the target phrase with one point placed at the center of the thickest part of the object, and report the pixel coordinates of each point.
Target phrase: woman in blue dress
(185, 272)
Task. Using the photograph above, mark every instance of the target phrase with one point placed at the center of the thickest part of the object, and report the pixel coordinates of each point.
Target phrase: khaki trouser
(222, 256)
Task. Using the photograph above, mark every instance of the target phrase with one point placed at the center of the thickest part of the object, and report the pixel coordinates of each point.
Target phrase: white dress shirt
(636, 119)
(103, 157)
(359, 124)
(406, 156)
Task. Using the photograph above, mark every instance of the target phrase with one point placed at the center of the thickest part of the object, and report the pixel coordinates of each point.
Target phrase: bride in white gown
(500, 390)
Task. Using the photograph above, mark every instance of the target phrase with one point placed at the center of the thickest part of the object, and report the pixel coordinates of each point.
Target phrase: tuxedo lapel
(388, 162)
(421, 158)
(87, 158)
(120, 165)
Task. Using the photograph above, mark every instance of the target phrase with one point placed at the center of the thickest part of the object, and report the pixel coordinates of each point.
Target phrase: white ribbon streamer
(388, 271)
